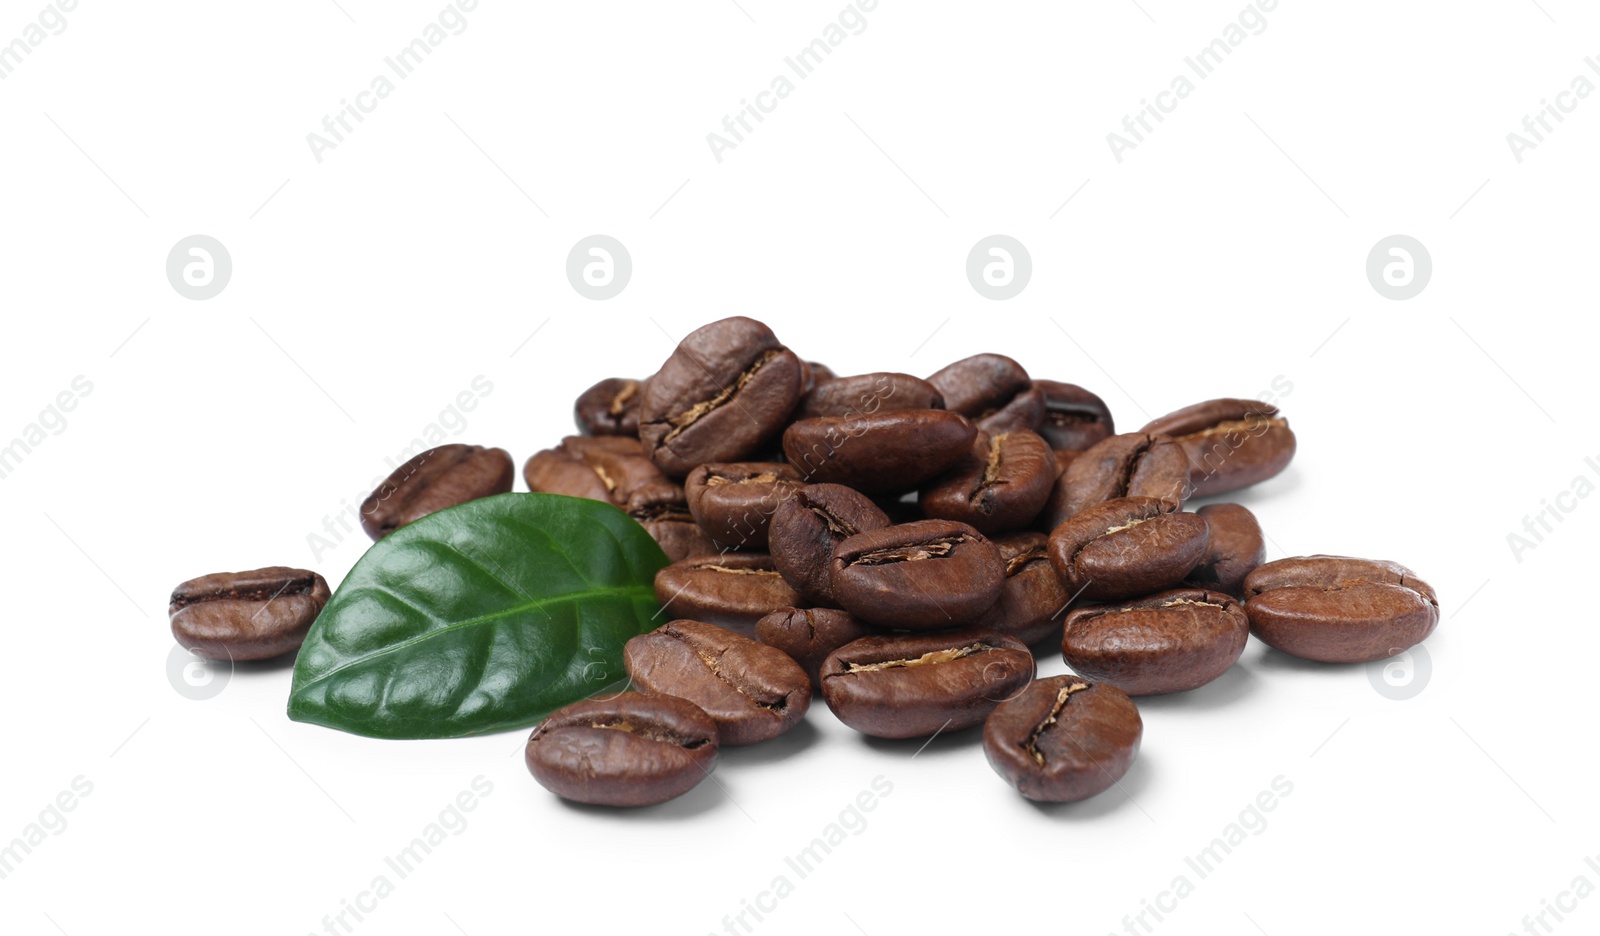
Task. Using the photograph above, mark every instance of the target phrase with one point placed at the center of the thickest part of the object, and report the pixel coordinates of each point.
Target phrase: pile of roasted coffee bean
(897, 545)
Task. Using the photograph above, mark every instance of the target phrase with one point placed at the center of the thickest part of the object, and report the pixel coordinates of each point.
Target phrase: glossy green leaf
(482, 617)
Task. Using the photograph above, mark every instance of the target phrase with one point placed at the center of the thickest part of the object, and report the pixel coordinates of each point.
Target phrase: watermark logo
(1402, 676)
(1538, 526)
(199, 267)
(195, 677)
(1399, 267)
(999, 267)
(599, 267)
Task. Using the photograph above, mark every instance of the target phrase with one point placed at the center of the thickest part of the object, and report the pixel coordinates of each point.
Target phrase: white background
(1225, 251)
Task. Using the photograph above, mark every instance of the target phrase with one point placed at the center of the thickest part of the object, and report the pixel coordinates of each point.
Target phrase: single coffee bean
(632, 749)
(1002, 485)
(807, 527)
(1074, 418)
(864, 394)
(1033, 603)
(433, 480)
(727, 389)
(1237, 547)
(817, 374)
(603, 468)
(609, 408)
(993, 391)
(752, 691)
(1134, 464)
(733, 591)
(1169, 642)
(1063, 739)
(808, 635)
(1127, 547)
(885, 452)
(663, 510)
(1230, 443)
(734, 503)
(927, 575)
(1335, 609)
(912, 685)
(254, 615)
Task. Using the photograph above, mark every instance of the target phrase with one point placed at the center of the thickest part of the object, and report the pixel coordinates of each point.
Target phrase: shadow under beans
(708, 795)
(1122, 795)
(942, 742)
(790, 743)
(1223, 692)
(1273, 660)
(274, 665)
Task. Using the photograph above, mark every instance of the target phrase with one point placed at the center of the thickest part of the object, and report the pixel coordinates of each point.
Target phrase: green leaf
(482, 617)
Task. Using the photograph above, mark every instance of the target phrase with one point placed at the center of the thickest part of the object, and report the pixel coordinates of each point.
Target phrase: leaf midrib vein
(629, 590)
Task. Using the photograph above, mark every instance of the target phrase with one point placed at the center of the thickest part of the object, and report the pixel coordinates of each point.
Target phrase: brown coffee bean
(433, 480)
(807, 527)
(1074, 418)
(865, 394)
(1131, 465)
(752, 691)
(808, 635)
(1127, 547)
(726, 390)
(609, 408)
(816, 375)
(1002, 485)
(604, 468)
(1063, 739)
(927, 575)
(1169, 642)
(1230, 443)
(911, 685)
(254, 615)
(733, 591)
(1237, 547)
(879, 453)
(735, 502)
(993, 391)
(632, 749)
(1033, 603)
(1336, 609)
(663, 510)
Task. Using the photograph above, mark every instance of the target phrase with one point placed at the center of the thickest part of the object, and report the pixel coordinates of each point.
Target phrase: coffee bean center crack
(693, 414)
(932, 549)
(927, 659)
(1031, 746)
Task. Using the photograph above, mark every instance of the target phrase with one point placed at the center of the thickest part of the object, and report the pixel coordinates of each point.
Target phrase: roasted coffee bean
(1064, 738)
(433, 480)
(1230, 443)
(1170, 642)
(1335, 609)
(752, 691)
(726, 390)
(992, 390)
(663, 510)
(734, 503)
(1127, 547)
(806, 528)
(1033, 603)
(603, 468)
(808, 635)
(911, 685)
(609, 408)
(879, 453)
(732, 591)
(1002, 485)
(1134, 464)
(1237, 547)
(864, 394)
(1074, 418)
(927, 575)
(817, 374)
(254, 615)
(632, 749)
